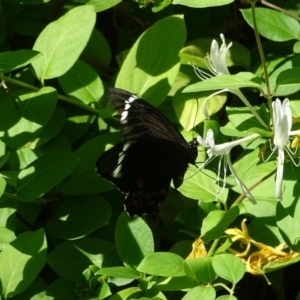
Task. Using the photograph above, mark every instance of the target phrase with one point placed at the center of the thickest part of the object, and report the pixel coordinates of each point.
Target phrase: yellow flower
(242, 236)
(295, 141)
(199, 249)
(256, 260)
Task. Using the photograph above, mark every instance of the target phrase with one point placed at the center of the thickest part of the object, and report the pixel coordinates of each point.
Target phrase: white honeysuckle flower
(216, 63)
(217, 59)
(282, 124)
(223, 150)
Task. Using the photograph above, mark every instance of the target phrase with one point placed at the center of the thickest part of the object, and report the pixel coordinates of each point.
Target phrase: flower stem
(246, 102)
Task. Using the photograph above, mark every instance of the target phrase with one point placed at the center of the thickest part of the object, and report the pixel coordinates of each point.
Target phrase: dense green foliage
(63, 232)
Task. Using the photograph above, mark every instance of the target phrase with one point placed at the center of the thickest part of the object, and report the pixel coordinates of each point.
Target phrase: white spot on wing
(132, 98)
(124, 116)
(126, 146)
(117, 172)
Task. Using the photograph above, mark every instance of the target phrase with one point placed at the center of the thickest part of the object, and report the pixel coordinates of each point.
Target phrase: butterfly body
(152, 154)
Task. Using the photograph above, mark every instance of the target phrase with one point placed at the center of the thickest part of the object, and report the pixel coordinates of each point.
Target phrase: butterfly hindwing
(152, 154)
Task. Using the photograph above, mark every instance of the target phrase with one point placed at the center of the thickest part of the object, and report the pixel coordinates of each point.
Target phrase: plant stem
(213, 247)
(262, 57)
(60, 97)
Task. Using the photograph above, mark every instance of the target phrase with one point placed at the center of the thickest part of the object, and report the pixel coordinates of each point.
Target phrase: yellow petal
(199, 249)
(295, 141)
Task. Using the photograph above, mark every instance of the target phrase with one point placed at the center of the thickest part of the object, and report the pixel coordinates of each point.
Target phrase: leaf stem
(213, 247)
(230, 291)
(60, 97)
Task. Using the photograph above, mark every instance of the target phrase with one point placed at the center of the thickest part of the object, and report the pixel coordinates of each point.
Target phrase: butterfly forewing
(152, 153)
(140, 119)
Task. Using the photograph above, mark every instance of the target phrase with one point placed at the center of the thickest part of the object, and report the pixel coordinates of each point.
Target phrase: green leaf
(121, 272)
(51, 129)
(60, 54)
(188, 107)
(103, 4)
(78, 123)
(227, 297)
(21, 262)
(84, 180)
(97, 41)
(61, 289)
(200, 269)
(151, 75)
(26, 123)
(158, 6)
(296, 47)
(10, 61)
(289, 227)
(216, 223)
(6, 236)
(162, 264)
(240, 80)
(251, 170)
(273, 25)
(276, 65)
(36, 291)
(44, 173)
(202, 3)
(202, 185)
(4, 154)
(243, 120)
(288, 78)
(201, 293)
(30, 211)
(277, 265)
(229, 267)
(266, 231)
(176, 283)
(79, 216)
(265, 208)
(8, 210)
(30, 2)
(129, 293)
(82, 82)
(2, 185)
(134, 239)
(103, 291)
(22, 158)
(70, 259)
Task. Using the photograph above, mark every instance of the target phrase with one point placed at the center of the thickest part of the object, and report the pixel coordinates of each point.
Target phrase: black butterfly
(153, 152)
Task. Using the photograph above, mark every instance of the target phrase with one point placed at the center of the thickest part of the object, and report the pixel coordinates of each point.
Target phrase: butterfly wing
(144, 170)
(152, 153)
(139, 119)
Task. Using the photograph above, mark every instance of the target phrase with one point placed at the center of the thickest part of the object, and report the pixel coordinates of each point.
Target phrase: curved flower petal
(279, 174)
(199, 249)
(282, 122)
(217, 58)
